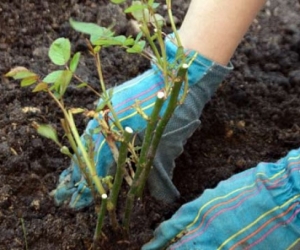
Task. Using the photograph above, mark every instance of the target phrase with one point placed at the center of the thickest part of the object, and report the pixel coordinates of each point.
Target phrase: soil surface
(255, 116)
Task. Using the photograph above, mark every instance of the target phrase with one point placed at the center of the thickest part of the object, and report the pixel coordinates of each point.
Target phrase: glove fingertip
(62, 194)
(81, 198)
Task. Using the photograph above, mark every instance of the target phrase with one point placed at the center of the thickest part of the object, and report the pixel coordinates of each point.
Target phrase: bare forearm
(214, 28)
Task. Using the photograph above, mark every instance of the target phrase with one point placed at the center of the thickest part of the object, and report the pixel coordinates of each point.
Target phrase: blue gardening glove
(256, 209)
(204, 76)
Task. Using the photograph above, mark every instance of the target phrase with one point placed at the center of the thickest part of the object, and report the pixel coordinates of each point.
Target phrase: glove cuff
(200, 64)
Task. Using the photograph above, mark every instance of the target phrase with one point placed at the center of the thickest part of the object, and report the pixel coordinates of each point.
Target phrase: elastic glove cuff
(200, 64)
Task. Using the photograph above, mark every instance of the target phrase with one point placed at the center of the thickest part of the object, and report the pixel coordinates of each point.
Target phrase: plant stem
(24, 232)
(169, 7)
(116, 119)
(66, 127)
(90, 167)
(100, 218)
(120, 166)
(87, 85)
(143, 158)
(99, 70)
(101, 79)
(146, 32)
(172, 105)
(160, 39)
(149, 134)
(128, 209)
(112, 204)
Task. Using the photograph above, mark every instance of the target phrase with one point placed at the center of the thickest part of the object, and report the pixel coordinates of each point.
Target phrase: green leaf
(117, 1)
(106, 35)
(47, 131)
(95, 31)
(152, 4)
(24, 74)
(118, 40)
(28, 81)
(14, 71)
(137, 48)
(110, 93)
(60, 51)
(76, 110)
(155, 5)
(28, 77)
(74, 62)
(101, 106)
(64, 150)
(81, 85)
(91, 29)
(40, 87)
(104, 102)
(20, 73)
(95, 131)
(159, 19)
(139, 11)
(139, 36)
(97, 49)
(136, 7)
(63, 82)
(53, 76)
(129, 41)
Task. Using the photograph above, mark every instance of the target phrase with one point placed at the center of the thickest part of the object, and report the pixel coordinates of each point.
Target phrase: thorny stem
(150, 147)
(120, 172)
(186, 85)
(149, 134)
(143, 158)
(121, 166)
(128, 209)
(100, 218)
(173, 103)
(139, 182)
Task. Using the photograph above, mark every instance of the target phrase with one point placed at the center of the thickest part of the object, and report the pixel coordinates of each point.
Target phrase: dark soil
(255, 116)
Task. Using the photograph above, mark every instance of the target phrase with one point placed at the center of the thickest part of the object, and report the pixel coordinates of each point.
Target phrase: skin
(215, 28)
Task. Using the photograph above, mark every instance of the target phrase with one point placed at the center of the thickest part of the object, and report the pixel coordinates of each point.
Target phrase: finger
(82, 197)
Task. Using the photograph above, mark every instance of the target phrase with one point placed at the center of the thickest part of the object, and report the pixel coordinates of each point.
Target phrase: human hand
(204, 77)
(256, 209)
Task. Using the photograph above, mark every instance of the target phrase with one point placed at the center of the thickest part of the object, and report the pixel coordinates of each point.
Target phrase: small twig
(24, 232)
(100, 218)
(171, 17)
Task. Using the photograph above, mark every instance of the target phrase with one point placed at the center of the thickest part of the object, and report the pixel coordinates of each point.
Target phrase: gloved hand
(256, 209)
(204, 77)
